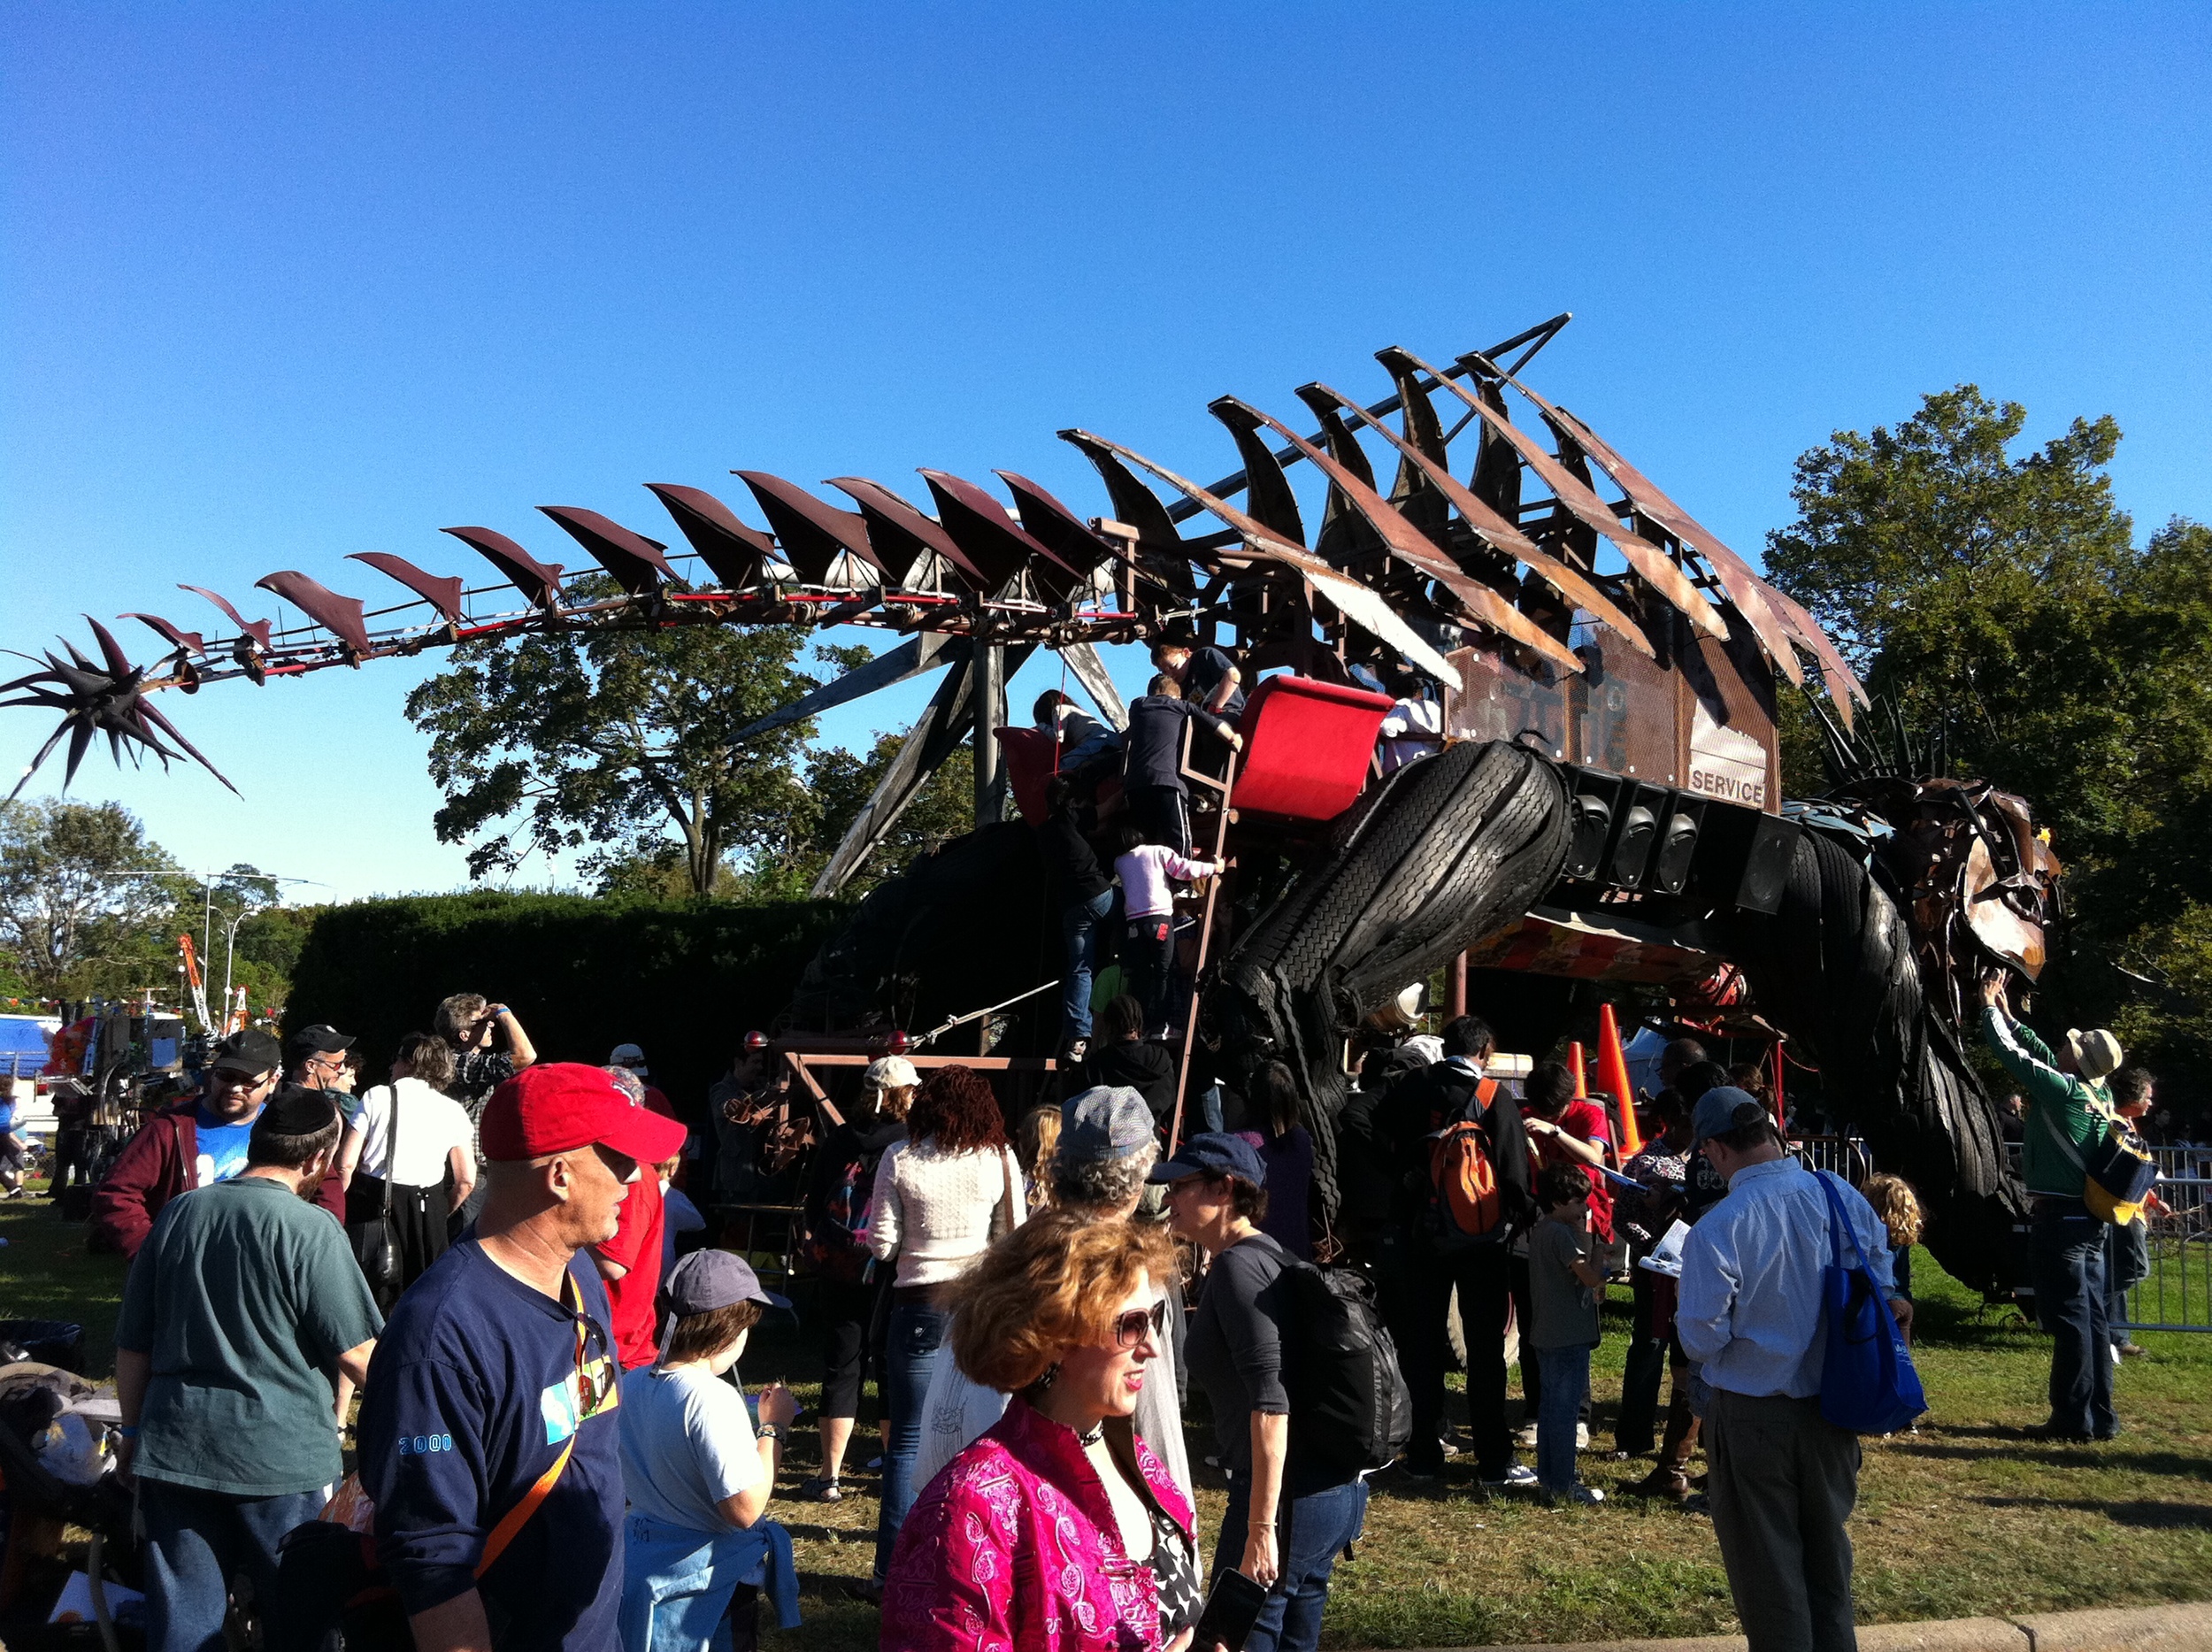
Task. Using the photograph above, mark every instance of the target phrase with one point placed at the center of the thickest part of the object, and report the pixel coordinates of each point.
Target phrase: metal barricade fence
(2176, 1293)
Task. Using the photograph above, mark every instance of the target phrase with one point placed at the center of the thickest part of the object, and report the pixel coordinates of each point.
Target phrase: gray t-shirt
(1564, 1309)
(242, 1299)
(686, 1444)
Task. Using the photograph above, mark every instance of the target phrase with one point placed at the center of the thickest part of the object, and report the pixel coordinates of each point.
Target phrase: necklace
(1096, 1434)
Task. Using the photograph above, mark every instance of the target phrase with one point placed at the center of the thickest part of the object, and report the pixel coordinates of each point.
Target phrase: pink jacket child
(1014, 1548)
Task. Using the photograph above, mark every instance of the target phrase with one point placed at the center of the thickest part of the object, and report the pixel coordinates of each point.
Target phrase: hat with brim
(1212, 1153)
(2096, 1053)
(1725, 1108)
(1108, 1121)
(708, 1279)
(250, 1054)
(555, 1107)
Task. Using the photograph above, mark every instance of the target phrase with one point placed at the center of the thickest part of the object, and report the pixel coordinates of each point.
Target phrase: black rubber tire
(1441, 856)
(1833, 968)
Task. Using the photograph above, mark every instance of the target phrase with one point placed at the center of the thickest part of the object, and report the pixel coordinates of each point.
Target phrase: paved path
(2102, 1629)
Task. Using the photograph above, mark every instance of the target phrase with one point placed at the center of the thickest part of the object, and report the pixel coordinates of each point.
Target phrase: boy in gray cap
(698, 1474)
(1107, 1148)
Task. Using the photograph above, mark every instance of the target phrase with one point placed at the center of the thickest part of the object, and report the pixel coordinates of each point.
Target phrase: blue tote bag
(1867, 1382)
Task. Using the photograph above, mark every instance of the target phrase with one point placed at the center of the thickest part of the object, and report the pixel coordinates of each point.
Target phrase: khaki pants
(1782, 1483)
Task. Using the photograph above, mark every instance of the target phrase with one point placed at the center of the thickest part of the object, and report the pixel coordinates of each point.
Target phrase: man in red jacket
(196, 1143)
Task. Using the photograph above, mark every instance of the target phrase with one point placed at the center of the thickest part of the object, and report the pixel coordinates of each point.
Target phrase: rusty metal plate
(636, 562)
(1646, 558)
(539, 581)
(813, 534)
(258, 629)
(1406, 542)
(1353, 600)
(1745, 588)
(735, 553)
(1498, 533)
(341, 616)
(898, 531)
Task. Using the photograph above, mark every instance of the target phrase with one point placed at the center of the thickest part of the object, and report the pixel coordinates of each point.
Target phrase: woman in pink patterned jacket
(1057, 1530)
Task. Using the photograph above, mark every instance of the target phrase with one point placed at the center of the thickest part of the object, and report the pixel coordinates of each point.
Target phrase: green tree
(2002, 596)
(78, 918)
(609, 739)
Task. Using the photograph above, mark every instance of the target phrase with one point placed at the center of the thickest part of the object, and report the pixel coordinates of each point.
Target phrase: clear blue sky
(281, 284)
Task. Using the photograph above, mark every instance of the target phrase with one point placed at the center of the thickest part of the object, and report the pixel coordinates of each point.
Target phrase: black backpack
(1348, 1402)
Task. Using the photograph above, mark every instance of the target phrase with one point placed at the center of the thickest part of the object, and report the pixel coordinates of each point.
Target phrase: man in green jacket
(2069, 1109)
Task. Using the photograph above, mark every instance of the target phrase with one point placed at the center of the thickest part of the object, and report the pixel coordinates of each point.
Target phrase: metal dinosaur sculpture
(1606, 805)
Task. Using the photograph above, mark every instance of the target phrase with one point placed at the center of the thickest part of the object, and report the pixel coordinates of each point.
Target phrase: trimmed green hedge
(685, 980)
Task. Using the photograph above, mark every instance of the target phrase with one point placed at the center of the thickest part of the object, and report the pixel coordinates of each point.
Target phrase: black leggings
(852, 1344)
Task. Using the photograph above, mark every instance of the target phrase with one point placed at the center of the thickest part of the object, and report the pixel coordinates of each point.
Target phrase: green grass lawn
(1966, 1517)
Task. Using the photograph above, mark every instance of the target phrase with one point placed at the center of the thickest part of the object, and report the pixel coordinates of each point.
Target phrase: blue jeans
(195, 1542)
(1566, 1385)
(1079, 928)
(2069, 1248)
(915, 1344)
(1311, 1533)
(2127, 1263)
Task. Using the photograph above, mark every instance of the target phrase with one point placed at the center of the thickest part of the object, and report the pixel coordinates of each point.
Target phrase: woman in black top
(1289, 1515)
(1121, 1057)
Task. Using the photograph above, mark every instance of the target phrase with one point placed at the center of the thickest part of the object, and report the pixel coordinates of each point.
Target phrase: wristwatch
(769, 1431)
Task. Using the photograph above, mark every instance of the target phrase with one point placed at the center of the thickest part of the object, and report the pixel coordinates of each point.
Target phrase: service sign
(1725, 762)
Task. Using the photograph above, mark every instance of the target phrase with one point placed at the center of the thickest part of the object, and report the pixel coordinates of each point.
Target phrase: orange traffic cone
(1574, 1065)
(1613, 1075)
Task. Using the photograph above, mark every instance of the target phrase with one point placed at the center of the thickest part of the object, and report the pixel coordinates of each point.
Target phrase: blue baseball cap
(1213, 1154)
(1723, 1107)
(708, 1279)
(1107, 1121)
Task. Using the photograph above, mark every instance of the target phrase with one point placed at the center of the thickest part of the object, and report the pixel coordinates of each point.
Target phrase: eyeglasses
(1131, 1327)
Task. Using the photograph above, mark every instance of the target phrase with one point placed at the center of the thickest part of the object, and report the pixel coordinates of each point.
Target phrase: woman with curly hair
(1057, 1527)
(940, 1198)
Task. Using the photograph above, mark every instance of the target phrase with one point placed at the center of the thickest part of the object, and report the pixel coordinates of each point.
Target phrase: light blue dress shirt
(1750, 1310)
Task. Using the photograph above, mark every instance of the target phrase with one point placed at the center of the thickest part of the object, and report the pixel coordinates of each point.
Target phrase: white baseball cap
(631, 1056)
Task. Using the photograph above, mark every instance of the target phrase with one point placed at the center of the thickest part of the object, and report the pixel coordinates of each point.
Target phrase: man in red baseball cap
(500, 1383)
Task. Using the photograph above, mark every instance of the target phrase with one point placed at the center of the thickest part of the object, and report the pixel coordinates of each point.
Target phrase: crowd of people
(552, 1448)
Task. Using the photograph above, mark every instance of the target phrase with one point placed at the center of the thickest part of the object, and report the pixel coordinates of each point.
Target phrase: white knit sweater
(933, 1210)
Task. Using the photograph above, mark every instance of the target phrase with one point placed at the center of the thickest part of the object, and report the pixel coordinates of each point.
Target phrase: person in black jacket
(1152, 762)
(1421, 1267)
(1085, 894)
(1122, 1055)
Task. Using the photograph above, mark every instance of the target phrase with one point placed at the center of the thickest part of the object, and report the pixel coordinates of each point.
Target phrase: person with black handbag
(408, 1162)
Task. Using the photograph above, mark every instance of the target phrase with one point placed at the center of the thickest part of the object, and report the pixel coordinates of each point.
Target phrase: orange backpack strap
(518, 1516)
(1485, 1092)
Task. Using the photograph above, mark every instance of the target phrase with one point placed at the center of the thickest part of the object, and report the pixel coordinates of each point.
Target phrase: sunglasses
(1132, 1326)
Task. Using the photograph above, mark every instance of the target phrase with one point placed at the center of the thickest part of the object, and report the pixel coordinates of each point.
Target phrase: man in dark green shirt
(240, 1309)
(2069, 1111)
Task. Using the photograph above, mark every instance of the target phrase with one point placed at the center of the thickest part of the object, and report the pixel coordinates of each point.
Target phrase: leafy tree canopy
(622, 744)
(77, 915)
(2002, 595)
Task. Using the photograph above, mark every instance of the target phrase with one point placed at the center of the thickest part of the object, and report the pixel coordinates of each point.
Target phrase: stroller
(33, 1395)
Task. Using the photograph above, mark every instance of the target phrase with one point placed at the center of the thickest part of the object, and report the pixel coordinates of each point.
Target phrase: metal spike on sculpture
(1395, 583)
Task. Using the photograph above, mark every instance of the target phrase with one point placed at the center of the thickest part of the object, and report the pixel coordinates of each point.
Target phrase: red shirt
(636, 1244)
(1585, 1121)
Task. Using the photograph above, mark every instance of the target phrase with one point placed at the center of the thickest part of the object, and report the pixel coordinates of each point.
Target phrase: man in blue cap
(1783, 1479)
(1292, 1511)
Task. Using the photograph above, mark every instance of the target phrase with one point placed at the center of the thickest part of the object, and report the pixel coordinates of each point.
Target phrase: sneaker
(2116, 1352)
(1515, 1474)
(819, 1490)
(1072, 1056)
(2133, 1350)
(1426, 1475)
(1582, 1436)
(1585, 1496)
(1524, 1436)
